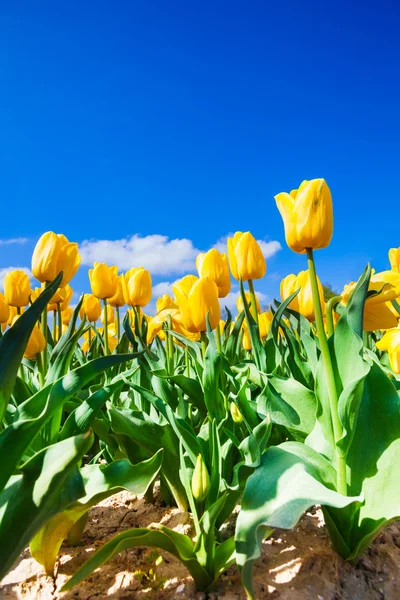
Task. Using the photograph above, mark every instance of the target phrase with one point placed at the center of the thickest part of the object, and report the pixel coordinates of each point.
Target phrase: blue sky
(183, 119)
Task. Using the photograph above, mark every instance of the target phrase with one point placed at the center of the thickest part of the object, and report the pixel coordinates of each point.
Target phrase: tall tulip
(303, 303)
(196, 298)
(54, 253)
(103, 280)
(137, 287)
(17, 288)
(118, 301)
(307, 215)
(239, 302)
(91, 308)
(246, 259)
(215, 265)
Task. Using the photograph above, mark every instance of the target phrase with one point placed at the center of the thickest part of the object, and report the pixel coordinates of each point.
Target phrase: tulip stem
(54, 327)
(218, 338)
(253, 303)
(118, 323)
(203, 338)
(170, 346)
(39, 363)
(60, 324)
(330, 377)
(330, 307)
(106, 350)
(44, 331)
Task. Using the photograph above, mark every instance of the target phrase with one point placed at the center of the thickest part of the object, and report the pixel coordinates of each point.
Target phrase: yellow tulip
(394, 258)
(17, 288)
(215, 265)
(303, 302)
(13, 314)
(91, 308)
(103, 280)
(245, 257)
(246, 341)
(155, 324)
(118, 299)
(307, 215)
(54, 253)
(36, 342)
(390, 341)
(164, 301)
(264, 323)
(66, 316)
(85, 347)
(136, 284)
(4, 310)
(239, 302)
(196, 298)
(110, 316)
(62, 296)
(394, 359)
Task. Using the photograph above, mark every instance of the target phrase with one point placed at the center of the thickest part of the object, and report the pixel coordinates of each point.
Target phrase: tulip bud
(246, 259)
(240, 305)
(36, 342)
(303, 303)
(17, 288)
(66, 316)
(307, 216)
(196, 298)
(215, 265)
(201, 480)
(91, 308)
(118, 299)
(54, 253)
(235, 413)
(4, 310)
(264, 323)
(136, 285)
(103, 280)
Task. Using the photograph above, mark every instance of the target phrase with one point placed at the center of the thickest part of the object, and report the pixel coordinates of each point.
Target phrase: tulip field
(248, 419)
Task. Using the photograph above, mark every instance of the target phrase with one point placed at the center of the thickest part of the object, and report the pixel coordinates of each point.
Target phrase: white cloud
(157, 253)
(20, 240)
(268, 248)
(164, 287)
(5, 270)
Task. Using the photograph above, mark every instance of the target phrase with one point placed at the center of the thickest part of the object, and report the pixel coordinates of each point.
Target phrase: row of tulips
(275, 410)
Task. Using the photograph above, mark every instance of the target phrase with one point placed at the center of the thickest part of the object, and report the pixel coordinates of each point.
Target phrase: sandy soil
(295, 565)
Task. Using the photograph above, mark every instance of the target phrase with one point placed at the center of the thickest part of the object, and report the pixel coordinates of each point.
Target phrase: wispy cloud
(20, 240)
(164, 287)
(5, 270)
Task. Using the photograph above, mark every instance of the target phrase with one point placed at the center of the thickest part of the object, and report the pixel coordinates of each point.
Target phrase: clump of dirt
(295, 565)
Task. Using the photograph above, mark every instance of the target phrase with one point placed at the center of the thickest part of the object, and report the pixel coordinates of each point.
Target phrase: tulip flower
(12, 314)
(103, 280)
(390, 340)
(303, 303)
(17, 288)
(91, 308)
(196, 298)
(110, 315)
(246, 259)
(239, 302)
(54, 253)
(200, 480)
(118, 300)
(307, 216)
(264, 323)
(36, 342)
(394, 258)
(4, 310)
(62, 297)
(164, 301)
(66, 316)
(236, 415)
(215, 265)
(136, 285)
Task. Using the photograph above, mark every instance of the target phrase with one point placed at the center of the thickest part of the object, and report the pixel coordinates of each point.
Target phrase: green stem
(90, 336)
(106, 350)
(118, 323)
(330, 307)
(203, 338)
(218, 338)
(187, 359)
(170, 344)
(60, 324)
(39, 363)
(44, 331)
(330, 376)
(18, 310)
(54, 327)
(254, 310)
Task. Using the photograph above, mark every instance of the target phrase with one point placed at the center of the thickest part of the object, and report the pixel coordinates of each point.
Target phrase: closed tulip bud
(66, 316)
(394, 258)
(17, 288)
(200, 480)
(54, 253)
(303, 302)
(4, 310)
(246, 259)
(91, 308)
(110, 315)
(215, 265)
(239, 302)
(196, 298)
(236, 415)
(264, 323)
(164, 301)
(307, 216)
(36, 342)
(137, 287)
(103, 280)
(118, 299)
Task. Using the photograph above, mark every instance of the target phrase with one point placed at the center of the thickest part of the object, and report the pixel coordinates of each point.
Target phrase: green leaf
(100, 482)
(211, 381)
(45, 485)
(177, 544)
(279, 491)
(14, 342)
(256, 345)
